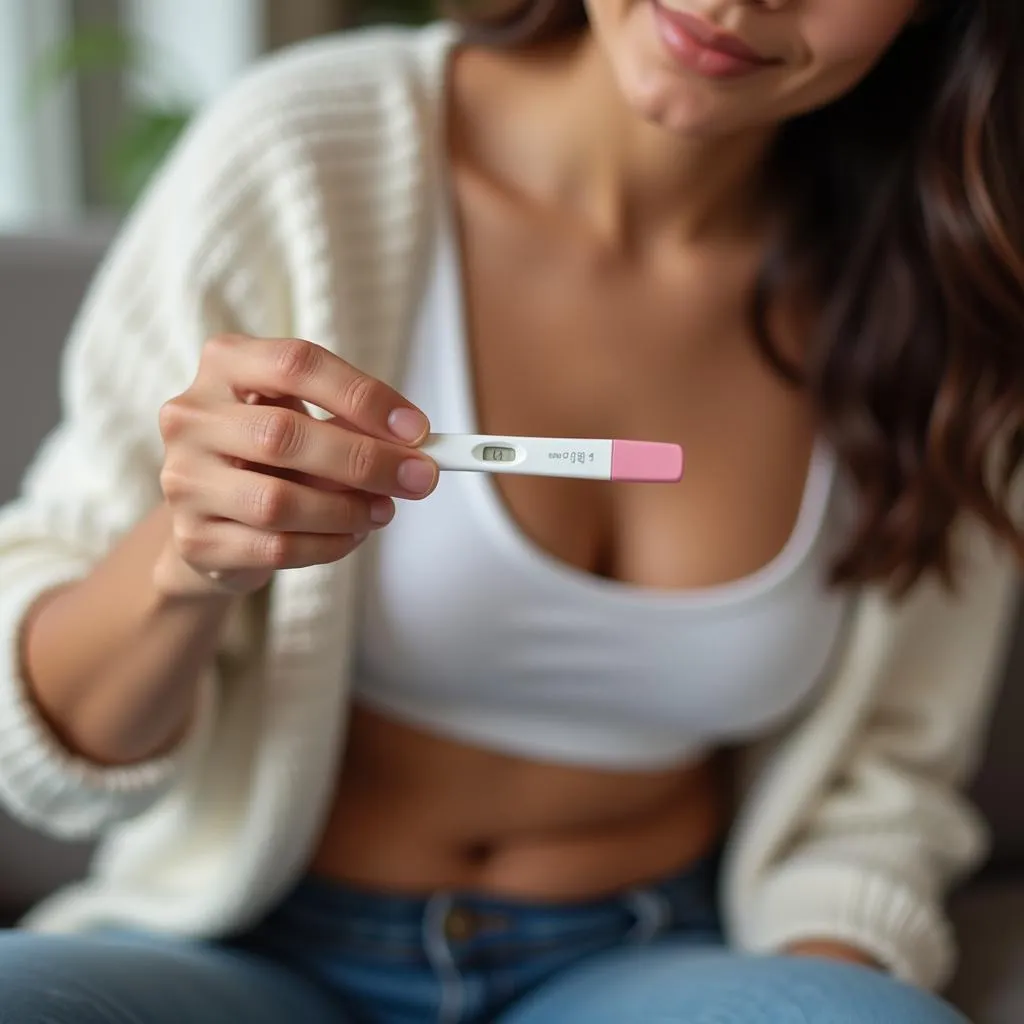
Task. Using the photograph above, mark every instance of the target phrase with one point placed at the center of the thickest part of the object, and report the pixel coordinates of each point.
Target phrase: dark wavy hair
(903, 211)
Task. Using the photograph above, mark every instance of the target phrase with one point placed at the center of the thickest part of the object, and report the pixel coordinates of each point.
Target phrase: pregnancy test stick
(585, 458)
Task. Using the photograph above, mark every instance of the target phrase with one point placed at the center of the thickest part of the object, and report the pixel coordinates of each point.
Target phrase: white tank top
(471, 631)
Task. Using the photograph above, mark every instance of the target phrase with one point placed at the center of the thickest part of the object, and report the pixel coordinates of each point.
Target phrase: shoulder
(350, 85)
(372, 65)
(368, 100)
(328, 147)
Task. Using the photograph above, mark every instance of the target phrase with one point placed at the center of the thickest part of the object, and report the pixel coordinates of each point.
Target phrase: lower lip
(695, 56)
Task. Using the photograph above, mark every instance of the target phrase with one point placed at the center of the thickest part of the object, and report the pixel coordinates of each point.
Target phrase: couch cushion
(989, 987)
(999, 787)
(42, 280)
(32, 866)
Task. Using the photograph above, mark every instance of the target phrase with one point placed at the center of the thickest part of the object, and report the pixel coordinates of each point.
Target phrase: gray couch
(41, 283)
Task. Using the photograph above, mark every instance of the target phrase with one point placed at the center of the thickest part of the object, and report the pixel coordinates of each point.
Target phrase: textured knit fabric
(302, 204)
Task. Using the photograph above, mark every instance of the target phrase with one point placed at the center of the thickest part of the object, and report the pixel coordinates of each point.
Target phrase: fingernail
(416, 476)
(408, 424)
(358, 538)
(382, 511)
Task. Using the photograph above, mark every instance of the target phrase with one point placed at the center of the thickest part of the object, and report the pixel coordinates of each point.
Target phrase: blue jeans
(331, 955)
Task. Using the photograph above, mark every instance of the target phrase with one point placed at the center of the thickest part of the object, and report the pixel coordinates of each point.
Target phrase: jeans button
(460, 924)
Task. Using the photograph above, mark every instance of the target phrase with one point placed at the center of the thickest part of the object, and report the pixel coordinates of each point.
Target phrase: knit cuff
(41, 782)
(876, 914)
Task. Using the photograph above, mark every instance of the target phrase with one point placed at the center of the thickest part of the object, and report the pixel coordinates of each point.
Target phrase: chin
(662, 93)
(681, 108)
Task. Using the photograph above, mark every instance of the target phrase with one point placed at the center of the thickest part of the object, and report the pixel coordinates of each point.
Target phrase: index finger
(291, 367)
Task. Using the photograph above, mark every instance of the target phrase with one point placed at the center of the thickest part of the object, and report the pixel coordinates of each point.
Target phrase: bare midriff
(415, 813)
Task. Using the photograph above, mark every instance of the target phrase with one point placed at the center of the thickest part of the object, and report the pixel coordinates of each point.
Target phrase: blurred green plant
(146, 132)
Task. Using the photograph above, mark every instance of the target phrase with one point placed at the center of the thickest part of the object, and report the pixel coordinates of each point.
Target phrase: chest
(472, 626)
(563, 338)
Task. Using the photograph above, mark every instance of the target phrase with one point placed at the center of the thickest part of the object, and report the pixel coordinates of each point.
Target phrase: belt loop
(653, 914)
(440, 957)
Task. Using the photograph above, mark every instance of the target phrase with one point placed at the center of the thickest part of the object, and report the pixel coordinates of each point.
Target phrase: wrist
(175, 581)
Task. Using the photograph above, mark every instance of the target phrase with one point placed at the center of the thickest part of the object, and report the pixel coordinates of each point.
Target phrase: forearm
(830, 950)
(113, 661)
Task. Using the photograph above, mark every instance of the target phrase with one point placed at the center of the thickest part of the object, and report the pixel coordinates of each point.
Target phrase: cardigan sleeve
(235, 235)
(172, 279)
(879, 844)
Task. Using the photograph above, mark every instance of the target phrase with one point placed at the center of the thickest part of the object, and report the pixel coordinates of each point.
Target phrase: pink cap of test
(646, 462)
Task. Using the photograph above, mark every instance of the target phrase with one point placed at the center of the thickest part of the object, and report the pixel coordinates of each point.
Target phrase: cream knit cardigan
(301, 204)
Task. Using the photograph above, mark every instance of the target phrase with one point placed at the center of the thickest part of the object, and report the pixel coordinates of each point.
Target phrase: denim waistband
(345, 919)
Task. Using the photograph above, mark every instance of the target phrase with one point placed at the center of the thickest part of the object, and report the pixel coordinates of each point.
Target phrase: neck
(635, 181)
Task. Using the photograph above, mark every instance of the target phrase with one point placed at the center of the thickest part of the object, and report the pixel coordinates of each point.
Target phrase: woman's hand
(255, 484)
(833, 951)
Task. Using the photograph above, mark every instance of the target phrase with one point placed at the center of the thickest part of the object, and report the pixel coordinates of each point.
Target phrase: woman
(496, 763)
